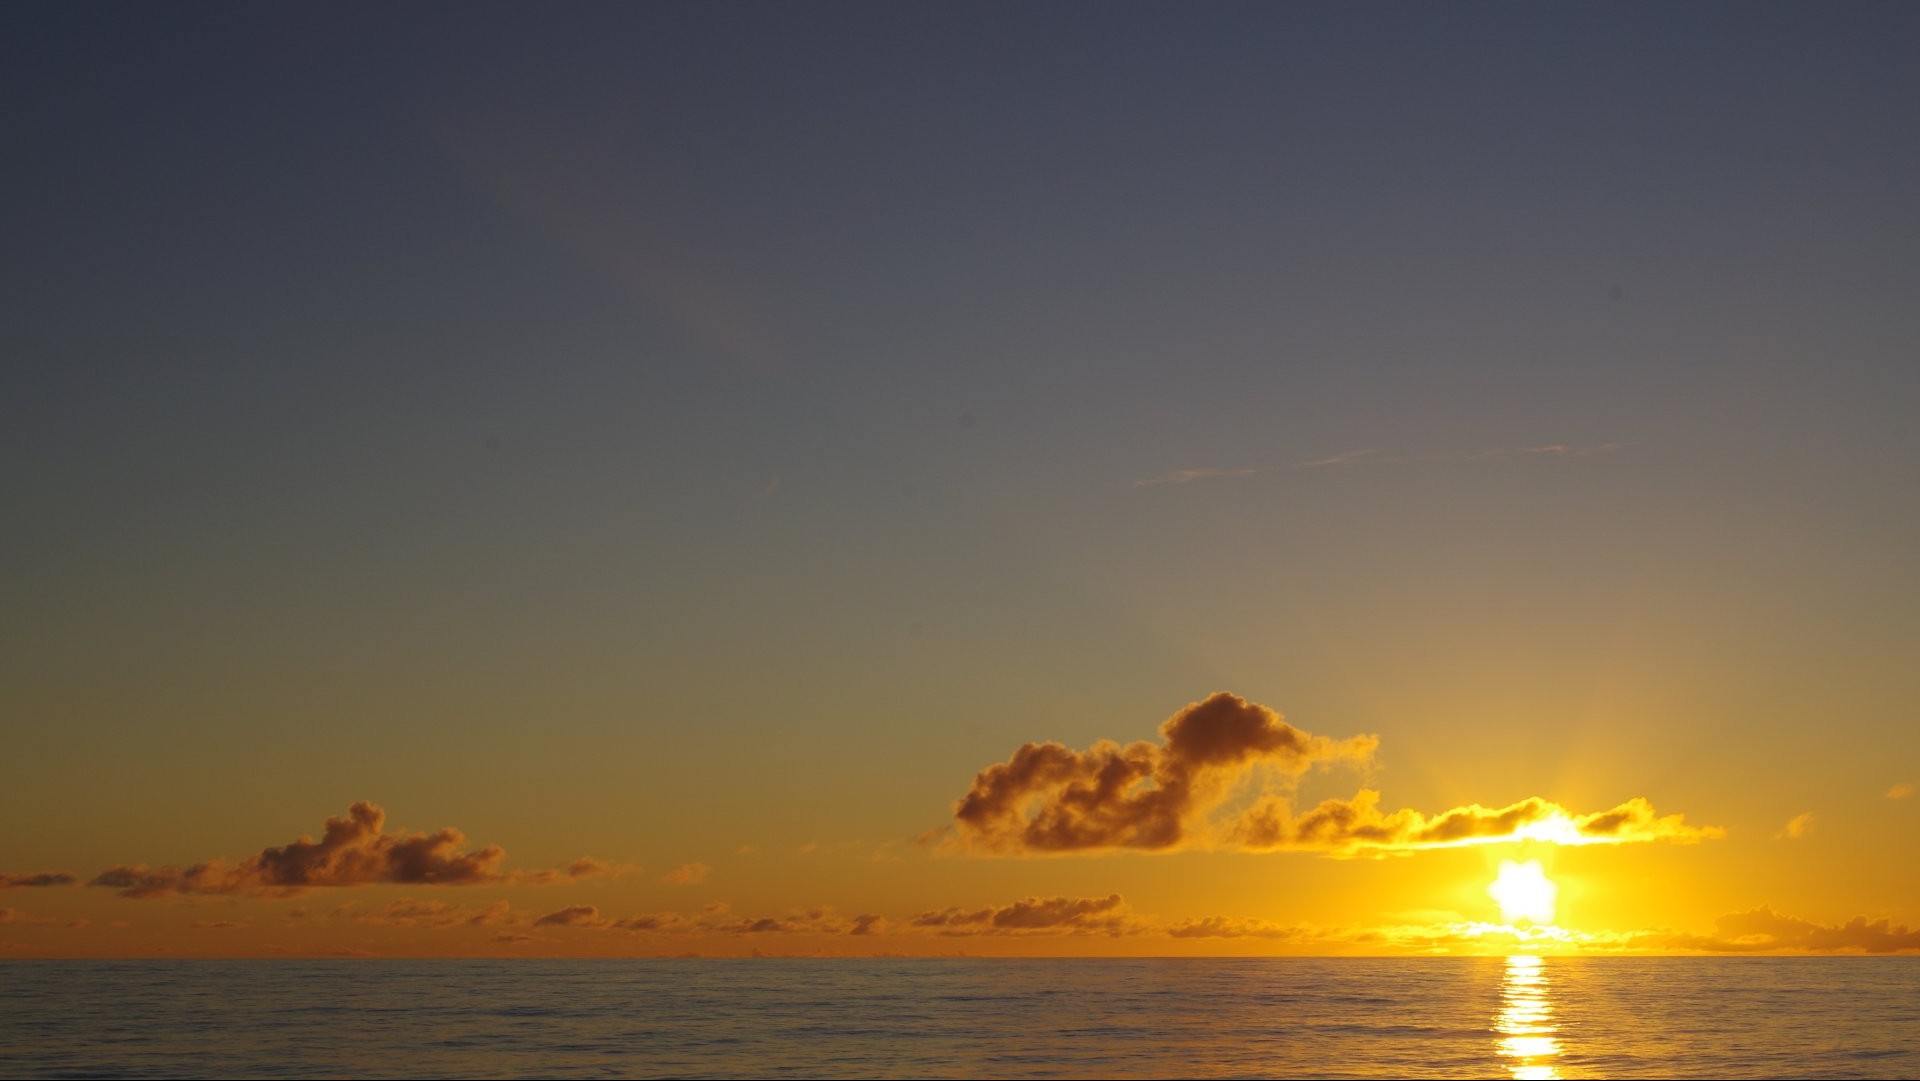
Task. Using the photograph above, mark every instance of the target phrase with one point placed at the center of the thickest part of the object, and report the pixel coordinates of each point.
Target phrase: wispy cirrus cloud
(687, 874)
(1797, 827)
(1048, 798)
(1375, 456)
(353, 850)
(1900, 791)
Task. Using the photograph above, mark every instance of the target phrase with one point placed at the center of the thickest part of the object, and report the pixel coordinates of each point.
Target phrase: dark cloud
(27, 880)
(868, 924)
(1049, 798)
(1107, 915)
(354, 850)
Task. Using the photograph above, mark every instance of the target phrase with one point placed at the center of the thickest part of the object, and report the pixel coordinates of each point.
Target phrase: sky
(1022, 479)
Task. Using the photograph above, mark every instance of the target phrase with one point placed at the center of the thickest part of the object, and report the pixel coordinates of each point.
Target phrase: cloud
(412, 912)
(15, 916)
(28, 880)
(1797, 827)
(572, 916)
(1184, 476)
(1762, 929)
(216, 925)
(715, 919)
(1375, 457)
(1357, 826)
(1234, 927)
(649, 921)
(1049, 799)
(688, 874)
(1107, 915)
(1900, 791)
(354, 850)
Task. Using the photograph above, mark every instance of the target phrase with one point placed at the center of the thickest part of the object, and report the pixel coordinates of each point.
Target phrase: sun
(1524, 892)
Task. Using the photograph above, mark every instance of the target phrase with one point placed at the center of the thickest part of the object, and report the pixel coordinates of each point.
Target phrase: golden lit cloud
(1357, 826)
(1900, 791)
(1048, 798)
(354, 850)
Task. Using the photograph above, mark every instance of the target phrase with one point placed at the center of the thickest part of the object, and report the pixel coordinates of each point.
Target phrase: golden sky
(1210, 836)
(698, 478)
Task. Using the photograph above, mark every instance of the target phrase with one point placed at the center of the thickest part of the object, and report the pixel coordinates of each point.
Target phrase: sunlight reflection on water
(1525, 1021)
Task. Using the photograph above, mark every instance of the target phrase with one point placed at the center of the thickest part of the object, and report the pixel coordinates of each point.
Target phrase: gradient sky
(711, 435)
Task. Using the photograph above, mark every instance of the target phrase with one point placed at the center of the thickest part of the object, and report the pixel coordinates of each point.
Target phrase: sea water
(1426, 1017)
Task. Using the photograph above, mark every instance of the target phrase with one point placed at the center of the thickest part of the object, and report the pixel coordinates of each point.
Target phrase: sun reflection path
(1525, 1021)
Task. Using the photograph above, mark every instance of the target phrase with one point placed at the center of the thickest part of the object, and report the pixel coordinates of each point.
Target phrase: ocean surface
(1428, 1017)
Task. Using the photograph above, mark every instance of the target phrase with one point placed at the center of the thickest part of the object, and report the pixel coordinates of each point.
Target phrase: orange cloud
(1357, 825)
(688, 874)
(354, 850)
(14, 915)
(1049, 798)
(19, 880)
(1900, 791)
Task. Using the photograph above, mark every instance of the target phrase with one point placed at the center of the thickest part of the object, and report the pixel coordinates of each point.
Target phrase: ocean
(1287, 1017)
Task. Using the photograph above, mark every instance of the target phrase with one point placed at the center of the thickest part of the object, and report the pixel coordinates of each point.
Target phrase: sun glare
(1523, 892)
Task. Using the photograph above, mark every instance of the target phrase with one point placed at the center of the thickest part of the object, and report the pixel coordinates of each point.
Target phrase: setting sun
(1523, 892)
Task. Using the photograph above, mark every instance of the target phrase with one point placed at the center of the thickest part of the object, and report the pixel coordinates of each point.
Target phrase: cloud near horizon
(1049, 799)
(1107, 915)
(354, 850)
